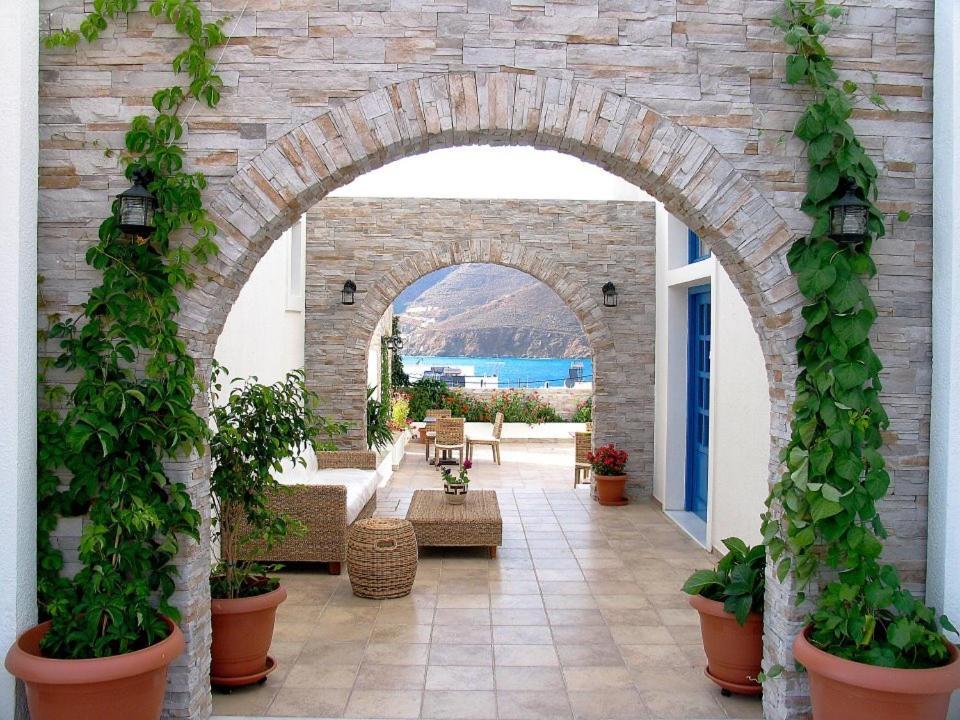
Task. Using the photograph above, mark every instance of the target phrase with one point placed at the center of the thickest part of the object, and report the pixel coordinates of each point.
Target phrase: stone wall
(384, 245)
(685, 98)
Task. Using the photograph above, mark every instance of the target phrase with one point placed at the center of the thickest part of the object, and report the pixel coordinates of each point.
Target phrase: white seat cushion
(361, 485)
(481, 437)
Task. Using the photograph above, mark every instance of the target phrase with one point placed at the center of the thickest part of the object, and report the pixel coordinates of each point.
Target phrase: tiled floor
(579, 616)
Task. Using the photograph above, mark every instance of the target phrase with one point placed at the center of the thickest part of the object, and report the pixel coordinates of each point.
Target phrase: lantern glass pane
(136, 212)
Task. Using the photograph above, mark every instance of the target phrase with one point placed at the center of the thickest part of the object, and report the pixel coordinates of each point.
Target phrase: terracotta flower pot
(242, 633)
(846, 690)
(610, 489)
(733, 652)
(123, 687)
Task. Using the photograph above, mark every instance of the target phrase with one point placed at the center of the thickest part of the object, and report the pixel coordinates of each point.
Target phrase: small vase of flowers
(455, 486)
(607, 463)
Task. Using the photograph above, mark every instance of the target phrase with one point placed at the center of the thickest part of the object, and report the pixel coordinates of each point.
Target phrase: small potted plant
(455, 486)
(256, 428)
(875, 652)
(607, 463)
(730, 602)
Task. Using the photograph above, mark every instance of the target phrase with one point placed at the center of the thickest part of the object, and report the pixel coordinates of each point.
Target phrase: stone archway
(669, 161)
(385, 245)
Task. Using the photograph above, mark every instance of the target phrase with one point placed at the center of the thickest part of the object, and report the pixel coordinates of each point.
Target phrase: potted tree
(730, 602)
(256, 428)
(607, 463)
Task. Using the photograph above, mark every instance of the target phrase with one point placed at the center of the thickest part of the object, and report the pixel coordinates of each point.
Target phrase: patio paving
(579, 616)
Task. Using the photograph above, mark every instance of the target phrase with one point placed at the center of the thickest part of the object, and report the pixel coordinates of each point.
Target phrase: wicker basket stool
(382, 558)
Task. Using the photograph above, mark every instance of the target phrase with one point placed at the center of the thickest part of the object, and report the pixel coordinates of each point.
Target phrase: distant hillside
(484, 310)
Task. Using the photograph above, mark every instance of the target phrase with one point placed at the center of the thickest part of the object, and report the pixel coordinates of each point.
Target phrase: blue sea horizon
(512, 372)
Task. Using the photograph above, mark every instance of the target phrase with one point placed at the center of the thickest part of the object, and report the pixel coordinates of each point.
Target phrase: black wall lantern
(138, 206)
(394, 343)
(349, 290)
(849, 215)
(610, 298)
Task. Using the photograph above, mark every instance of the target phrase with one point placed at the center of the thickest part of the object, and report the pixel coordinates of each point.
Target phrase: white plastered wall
(263, 335)
(18, 328)
(943, 545)
(739, 402)
(375, 352)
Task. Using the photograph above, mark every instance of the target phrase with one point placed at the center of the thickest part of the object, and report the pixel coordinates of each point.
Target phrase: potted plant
(875, 652)
(379, 435)
(455, 486)
(607, 463)
(730, 602)
(256, 428)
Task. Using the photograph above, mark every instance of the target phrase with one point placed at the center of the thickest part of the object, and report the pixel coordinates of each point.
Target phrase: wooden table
(475, 523)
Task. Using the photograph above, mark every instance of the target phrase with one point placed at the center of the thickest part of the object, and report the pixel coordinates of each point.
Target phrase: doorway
(698, 401)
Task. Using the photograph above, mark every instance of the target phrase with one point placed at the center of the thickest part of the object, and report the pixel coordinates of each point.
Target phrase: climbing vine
(824, 508)
(102, 444)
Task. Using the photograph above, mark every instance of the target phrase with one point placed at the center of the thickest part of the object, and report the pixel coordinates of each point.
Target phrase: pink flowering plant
(607, 460)
(460, 478)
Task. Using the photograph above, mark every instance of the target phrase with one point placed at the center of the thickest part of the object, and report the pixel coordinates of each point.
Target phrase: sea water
(511, 372)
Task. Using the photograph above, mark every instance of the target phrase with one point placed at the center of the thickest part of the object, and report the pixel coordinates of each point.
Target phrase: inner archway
(671, 162)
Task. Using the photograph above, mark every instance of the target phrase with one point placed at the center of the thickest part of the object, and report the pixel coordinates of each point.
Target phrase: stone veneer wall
(683, 97)
(574, 247)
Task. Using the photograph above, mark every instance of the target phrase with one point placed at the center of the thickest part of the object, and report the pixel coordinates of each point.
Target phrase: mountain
(483, 310)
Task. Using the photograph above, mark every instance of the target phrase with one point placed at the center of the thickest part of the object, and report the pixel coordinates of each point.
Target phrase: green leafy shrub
(516, 405)
(254, 430)
(379, 434)
(399, 410)
(584, 411)
(737, 581)
(426, 393)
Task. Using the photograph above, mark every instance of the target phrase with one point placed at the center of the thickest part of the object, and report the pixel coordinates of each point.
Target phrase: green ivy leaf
(822, 182)
(814, 282)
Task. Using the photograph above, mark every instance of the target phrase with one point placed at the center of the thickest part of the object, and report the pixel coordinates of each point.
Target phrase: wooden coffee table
(475, 523)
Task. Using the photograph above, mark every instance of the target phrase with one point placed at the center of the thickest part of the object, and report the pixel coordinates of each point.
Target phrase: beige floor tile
(465, 601)
(742, 707)
(253, 700)
(459, 704)
(334, 631)
(396, 653)
(641, 635)
(687, 705)
(390, 677)
(527, 678)
(524, 602)
(589, 655)
(461, 634)
(401, 633)
(461, 654)
(313, 702)
(597, 678)
(463, 677)
(624, 704)
(525, 655)
(654, 656)
(583, 635)
(580, 618)
(462, 616)
(532, 705)
(569, 602)
(346, 653)
(518, 616)
(384, 704)
(678, 616)
(522, 635)
(311, 672)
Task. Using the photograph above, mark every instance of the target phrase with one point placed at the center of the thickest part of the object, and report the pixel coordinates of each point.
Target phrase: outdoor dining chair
(581, 466)
(492, 439)
(429, 435)
(449, 439)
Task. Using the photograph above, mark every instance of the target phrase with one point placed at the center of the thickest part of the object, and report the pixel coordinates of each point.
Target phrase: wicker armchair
(492, 440)
(449, 438)
(430, 435)
(322, 510)
(581, 466)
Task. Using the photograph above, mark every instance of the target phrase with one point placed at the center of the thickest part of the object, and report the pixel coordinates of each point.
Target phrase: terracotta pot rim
(926, 681)
(715, 608)
(31, 667)
(611, 477)
(239, 606)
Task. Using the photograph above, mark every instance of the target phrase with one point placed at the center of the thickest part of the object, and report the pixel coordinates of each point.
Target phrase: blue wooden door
(698, 400)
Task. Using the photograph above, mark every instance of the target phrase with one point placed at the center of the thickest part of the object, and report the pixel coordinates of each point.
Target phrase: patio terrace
(579, 616)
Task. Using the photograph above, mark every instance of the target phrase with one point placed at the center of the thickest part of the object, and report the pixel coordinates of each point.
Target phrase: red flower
(467, 464)
(607, 460)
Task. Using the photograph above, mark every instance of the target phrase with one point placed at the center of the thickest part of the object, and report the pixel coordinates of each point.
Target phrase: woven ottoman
(382, 558)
